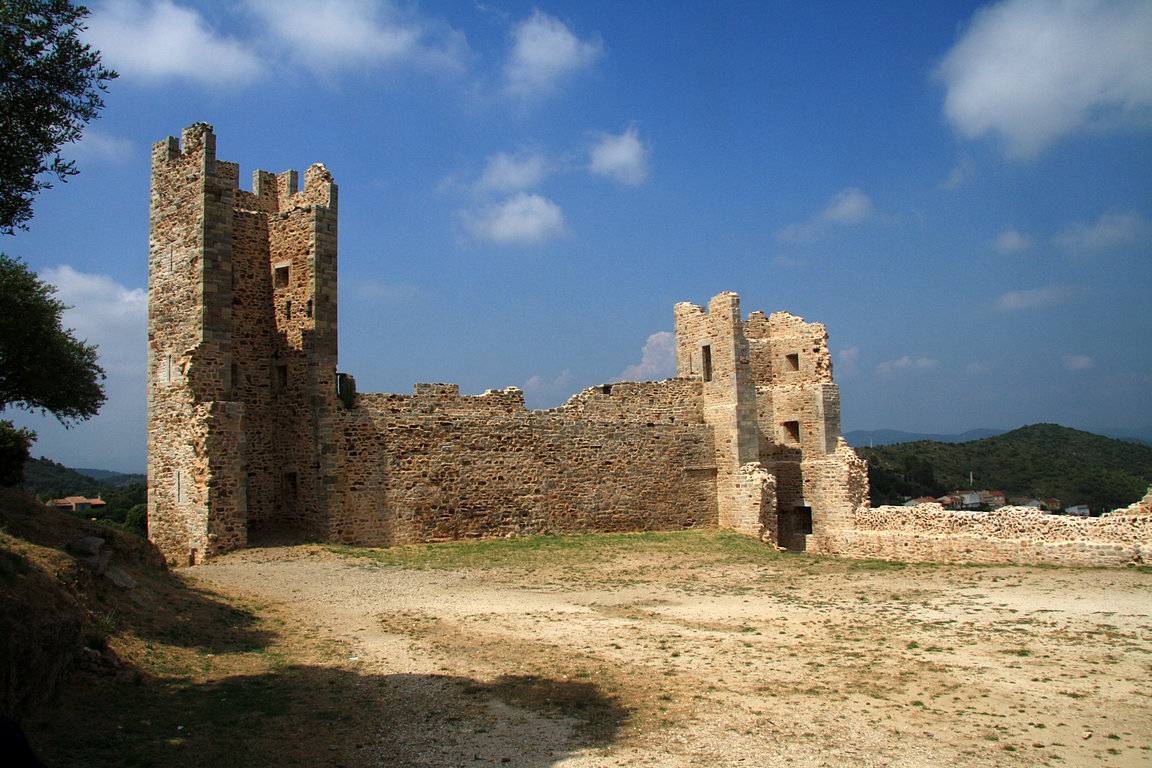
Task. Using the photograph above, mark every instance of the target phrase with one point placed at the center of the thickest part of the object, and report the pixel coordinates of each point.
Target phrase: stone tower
(241, 347)
(783, 471)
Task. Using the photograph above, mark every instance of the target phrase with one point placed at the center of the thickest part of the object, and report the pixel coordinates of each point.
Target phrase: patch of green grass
(706, 547)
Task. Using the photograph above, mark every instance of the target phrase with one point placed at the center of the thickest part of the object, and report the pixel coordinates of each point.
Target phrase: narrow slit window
(288, 309)
(706, 361)
(280, 377)
(308, 308)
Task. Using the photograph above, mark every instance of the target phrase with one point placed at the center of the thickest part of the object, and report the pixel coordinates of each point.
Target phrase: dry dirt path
(652, 659)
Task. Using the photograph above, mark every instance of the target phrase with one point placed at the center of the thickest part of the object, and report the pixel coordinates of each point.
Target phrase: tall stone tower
(242, 347)
(783, 472)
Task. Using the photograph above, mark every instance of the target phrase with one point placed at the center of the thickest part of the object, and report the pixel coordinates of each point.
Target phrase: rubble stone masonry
(250, 427)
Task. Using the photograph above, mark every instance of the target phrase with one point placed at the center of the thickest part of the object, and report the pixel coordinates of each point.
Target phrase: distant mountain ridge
(863, 438)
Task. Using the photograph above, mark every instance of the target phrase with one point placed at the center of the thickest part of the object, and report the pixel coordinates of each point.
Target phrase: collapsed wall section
(1022, 535)
(438, 466)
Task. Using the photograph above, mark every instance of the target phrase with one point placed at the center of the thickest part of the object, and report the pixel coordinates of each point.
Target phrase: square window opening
(280, 276)
(792, 432)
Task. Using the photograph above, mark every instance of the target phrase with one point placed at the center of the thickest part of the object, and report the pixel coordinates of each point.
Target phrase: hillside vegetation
(126, 495)
(1038, 461)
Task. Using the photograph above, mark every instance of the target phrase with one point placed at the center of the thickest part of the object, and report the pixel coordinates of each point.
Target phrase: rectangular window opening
(280, 276)
(706, 361)
(793, 361)
(280, 377)
(792, 432)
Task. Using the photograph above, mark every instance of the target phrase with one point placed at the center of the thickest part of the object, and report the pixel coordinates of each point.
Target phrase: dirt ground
(659, 656)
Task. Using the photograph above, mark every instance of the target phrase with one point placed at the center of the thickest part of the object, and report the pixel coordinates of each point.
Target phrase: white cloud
(1109, 232)
(1010, 241)
(512, 173)
(958, 176)
(157, 41)
(95, 146)
(105, 313)
(541, 392)
(1076, 363)
(847, 207)
(386, 293)
(657, 359)
(623, 158)
(544, 52)
(523, 219)
(331, 34)
(846, 360)
(1037, 70)
(906, 363)
(1032, 298)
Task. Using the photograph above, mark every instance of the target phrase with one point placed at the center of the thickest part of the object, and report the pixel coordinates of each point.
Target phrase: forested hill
(44, 476)
(1038, 461)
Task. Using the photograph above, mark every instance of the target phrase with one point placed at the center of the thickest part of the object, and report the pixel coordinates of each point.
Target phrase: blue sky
(960, 191)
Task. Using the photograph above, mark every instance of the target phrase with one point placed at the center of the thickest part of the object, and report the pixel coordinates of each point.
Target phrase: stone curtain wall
(930, 533)
(438, 466)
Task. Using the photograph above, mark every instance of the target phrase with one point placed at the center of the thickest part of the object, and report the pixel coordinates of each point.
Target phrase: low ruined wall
(438, 466)
(1022, 535)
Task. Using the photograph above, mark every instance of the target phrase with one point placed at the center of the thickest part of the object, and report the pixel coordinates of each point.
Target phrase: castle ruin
(250, 427)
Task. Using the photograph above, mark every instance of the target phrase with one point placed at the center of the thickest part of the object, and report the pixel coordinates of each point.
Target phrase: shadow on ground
(323, 716)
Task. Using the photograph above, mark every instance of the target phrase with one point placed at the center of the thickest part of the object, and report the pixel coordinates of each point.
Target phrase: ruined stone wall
(436, 465)
(930, 533)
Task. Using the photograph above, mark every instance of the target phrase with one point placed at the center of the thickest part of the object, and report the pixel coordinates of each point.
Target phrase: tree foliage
(43, 367)
(50, 86)
(14, 445)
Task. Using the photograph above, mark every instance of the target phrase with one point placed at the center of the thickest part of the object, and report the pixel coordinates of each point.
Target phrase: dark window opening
(280, 277)
(308, 308)
(792, 431)
(606, 389)
(235, 372)
(793, 361)
(706, 361)
(288, 309)
(280, 377)
(803, 520)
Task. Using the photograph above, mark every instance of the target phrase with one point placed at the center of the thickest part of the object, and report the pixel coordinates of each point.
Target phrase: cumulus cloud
(1110, 232)
(96, 146)
(545, 52)
(521, 220)
(1077, 363)
(1034, 71)
(107, 314)
(540, 392)
(623, 157)
(512, 173)
(958, 176)
(657, 359)
(906, 363)
(847, 358)
(847, 207)
(1010, 241)
(1032, 298)
(330, 34)
(157, 41)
